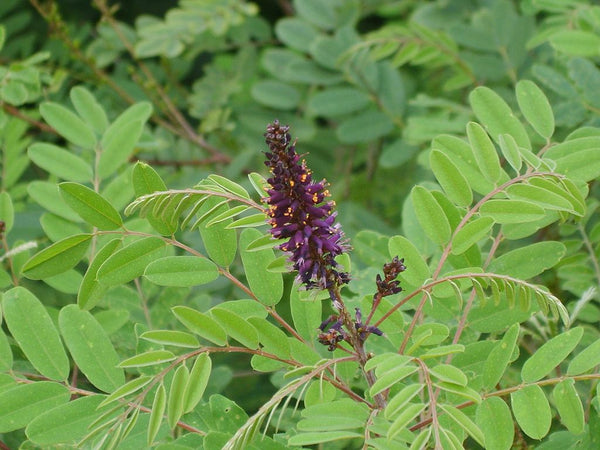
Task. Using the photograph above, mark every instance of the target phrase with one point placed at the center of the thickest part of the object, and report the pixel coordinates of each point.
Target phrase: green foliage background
(143, 303)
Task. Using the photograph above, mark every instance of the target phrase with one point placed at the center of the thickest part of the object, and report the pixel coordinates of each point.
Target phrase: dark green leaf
(337, 101)
(366, 126)
(276, 94)
(7, 213)
(33, 329)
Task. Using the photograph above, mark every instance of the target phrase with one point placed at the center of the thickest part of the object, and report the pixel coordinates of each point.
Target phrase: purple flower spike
(299, 213)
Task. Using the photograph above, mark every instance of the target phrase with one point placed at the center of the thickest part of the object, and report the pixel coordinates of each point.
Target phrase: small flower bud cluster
(332, 331)
(299, 213)
(389, 285)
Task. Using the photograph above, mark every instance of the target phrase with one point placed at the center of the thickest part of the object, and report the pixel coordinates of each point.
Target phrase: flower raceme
(299, 213)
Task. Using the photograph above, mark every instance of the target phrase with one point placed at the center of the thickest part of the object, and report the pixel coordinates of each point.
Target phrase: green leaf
(449, 373)
(7, 213)
(183, 271)
(201, 324)
(33, 329)
(540, 196)
(267, 286)
(404, 418)
(90, 206)
(484, 152)
(430, 215)
(197, 382)
(177, 399)
(511, 211)
(474, 231)
(91, 291)
(47, 195)
(251, 221)
(528, 261)
(532, 411)
(271, 337)
(550, 355)
(493, 112)
(220, 242)
(366, 126)
(295, 33)
(569, 406)
(156, 416)
(60, 162)
(117, 145)
(150, 358)
(90, 348)
(585, 360)
(499, 358)
(23, 403)
(399, 401)
(236, 327)
(276, 94)
(68, 125)
(171, 337)
(453, 182)
(67, 423)
(88, 108)
(6, 356)
(337, 101)
(229, 186)
(403, 248)
(465, 422)
(510, 151)
(128, 388)
(130, 262)
(229, 214)
(145, 181)
(494, 419)
(319, 437)
(259, 183)
(391, 377)
(58, 258)
(535, 108)
(306, 312)
(576, 42)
